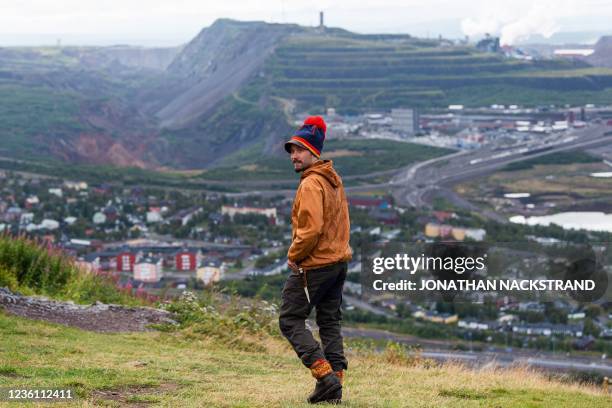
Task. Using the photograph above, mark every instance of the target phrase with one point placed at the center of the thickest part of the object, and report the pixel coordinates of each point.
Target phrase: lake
(588, 220)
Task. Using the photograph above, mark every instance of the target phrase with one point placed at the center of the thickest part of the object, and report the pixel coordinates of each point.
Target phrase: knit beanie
(309, 136)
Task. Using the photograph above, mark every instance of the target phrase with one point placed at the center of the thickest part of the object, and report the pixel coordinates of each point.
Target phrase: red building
(185, 261)
(125, 262)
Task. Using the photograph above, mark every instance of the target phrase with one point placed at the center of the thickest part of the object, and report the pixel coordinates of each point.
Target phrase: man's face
(301, 158)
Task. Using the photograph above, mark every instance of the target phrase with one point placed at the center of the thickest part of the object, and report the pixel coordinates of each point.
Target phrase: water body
(588, 220)
(606, 174)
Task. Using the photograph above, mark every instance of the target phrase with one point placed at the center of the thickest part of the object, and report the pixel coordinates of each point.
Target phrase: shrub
(8, 278)
(402, 354)
(36, 268)
(238, 326)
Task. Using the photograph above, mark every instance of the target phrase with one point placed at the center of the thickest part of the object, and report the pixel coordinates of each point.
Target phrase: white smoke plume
(541, 18)
(473, 27)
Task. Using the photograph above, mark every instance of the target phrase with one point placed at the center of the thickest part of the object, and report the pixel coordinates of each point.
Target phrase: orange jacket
(320, 219)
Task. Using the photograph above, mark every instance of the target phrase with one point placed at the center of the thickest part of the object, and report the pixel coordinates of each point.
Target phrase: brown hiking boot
(328, 387)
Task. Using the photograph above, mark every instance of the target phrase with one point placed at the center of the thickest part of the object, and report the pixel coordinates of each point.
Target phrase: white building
(70, 220)
(148, 270)
(573, 52)
(99, 218)
(45, 224)
(32, 200)
(26, 218)
(154, 216)
(76, 185)
(49, 224)
(56, 191)
(477, 234)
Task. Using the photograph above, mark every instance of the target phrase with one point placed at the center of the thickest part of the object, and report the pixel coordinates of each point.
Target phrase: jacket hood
(325, 169)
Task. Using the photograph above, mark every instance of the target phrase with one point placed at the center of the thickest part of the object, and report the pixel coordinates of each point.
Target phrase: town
(157, 242)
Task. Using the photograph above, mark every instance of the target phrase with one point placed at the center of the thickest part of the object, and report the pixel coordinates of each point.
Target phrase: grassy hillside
(356, 73)
(32, 268)
(190, 369)
(29, 112)
(350, 157)
(556, 182)
(227, 352)
(558, 158)
(51, 97)
(238, 170)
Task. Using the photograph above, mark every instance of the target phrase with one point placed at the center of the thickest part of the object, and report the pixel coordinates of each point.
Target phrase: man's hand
(293, 266)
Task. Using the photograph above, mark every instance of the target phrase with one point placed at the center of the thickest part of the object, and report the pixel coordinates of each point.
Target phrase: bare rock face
(99, 317)
(116, 58)
(602, 57)
(215, 64)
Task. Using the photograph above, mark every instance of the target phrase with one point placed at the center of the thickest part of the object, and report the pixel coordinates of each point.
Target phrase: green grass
(191, 369)
(559, 158)
(371, 156)
(227, 352)
(109, 174)
(29, 112)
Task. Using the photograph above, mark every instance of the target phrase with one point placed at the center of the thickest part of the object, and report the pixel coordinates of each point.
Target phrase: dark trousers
(325, 290)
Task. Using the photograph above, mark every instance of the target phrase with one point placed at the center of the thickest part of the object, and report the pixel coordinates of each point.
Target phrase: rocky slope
(602, 57)
(98, 317)
(214, 65)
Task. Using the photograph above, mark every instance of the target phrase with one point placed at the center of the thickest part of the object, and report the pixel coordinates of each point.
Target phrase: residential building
(148, 269)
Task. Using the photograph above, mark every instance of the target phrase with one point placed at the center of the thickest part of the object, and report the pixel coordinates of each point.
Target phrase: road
(442, 350)
(360, 304)
(418, 184)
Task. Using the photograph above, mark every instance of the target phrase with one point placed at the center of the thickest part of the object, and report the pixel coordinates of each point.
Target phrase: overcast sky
(156, 22)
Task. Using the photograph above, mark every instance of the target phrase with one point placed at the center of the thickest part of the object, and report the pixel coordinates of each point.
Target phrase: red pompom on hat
(317, 121)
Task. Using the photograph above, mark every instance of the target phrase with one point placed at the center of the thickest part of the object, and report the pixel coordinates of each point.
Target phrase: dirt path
(98, 317)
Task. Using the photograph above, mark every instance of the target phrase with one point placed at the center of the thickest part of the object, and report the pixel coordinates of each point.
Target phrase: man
(318, 258)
